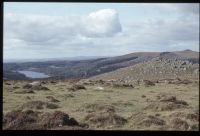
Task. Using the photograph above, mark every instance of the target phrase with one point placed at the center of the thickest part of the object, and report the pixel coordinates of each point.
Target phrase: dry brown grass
(95, 107)
(151, 120)
(52, 99)
(38, 105)
(76, 87)
(179, 124)
(31, 120)
(151, 108)
(105, 119)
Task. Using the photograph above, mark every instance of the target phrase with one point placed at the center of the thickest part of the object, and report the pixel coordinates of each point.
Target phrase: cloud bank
(100, 33)
(39, 29)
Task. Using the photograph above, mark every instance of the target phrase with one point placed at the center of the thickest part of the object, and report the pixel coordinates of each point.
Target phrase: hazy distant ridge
(84, 67)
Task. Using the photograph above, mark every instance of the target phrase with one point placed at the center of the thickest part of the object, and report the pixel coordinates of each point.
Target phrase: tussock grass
(121, 102)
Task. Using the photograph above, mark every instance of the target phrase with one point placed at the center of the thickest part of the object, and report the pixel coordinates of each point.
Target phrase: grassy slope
(152, 70)
(126, 101)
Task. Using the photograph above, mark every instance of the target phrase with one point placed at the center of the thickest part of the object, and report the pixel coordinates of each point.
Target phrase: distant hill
(156, 69)
(65, 69)
(189, 55)
(51, 59)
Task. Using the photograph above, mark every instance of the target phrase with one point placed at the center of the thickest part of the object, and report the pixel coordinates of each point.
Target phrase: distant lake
(32, 74)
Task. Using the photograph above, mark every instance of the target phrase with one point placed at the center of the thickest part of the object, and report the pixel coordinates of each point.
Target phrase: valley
(138, 91)
(67, 69)
(115, 66)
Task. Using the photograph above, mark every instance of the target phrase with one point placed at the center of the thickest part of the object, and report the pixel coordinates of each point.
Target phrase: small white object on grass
(35, 83)
(99, 88)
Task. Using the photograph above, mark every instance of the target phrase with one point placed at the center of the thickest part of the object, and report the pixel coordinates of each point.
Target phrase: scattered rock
(35, 83)
(99, 88)
(184, 63)
(184, 69)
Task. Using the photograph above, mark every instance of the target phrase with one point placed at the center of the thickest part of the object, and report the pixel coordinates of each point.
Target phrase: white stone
(35, 83)
(99, 88)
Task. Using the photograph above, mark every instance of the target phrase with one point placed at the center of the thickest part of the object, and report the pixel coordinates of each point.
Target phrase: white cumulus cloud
(102, 23)
(37, 29)
(174, 27)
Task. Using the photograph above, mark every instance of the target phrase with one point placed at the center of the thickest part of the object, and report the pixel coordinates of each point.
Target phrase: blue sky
(127, 11)
(47, 30)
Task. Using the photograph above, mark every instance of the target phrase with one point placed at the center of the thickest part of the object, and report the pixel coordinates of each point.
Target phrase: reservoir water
(32, 74)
